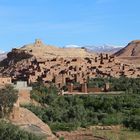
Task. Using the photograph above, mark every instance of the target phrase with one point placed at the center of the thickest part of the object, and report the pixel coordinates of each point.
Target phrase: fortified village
(65, 66)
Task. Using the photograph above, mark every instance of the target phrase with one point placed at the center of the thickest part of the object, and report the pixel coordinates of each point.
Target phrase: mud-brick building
(5, 80)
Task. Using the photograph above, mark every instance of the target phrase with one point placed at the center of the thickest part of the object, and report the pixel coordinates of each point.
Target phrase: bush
(8, 96)
(132, 122)
(63, 126)
(133, 119)
(11, 132)
(112, 119)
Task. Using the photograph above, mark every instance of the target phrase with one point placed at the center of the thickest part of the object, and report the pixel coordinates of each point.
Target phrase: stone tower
(84, 88)
(38, 43)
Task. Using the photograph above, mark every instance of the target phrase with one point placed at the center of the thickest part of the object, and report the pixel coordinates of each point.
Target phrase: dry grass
(117, 134)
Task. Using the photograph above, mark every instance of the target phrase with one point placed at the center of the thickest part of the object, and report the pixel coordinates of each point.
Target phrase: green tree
(8, 96)
(12, 132)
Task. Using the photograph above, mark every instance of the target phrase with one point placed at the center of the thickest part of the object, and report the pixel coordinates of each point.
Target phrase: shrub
(11, 132)
(8, 96)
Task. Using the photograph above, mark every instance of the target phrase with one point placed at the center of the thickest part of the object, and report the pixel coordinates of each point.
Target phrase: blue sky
(62, 22)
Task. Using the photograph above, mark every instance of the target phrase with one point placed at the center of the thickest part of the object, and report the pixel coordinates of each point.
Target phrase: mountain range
(98, 49)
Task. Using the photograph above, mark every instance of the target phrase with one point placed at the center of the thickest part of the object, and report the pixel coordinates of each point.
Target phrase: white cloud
(72, 46)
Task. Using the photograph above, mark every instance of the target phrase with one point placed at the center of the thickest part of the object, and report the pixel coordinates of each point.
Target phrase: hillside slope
(131, 50)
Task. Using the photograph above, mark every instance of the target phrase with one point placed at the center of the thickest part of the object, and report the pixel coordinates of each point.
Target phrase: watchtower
(38, 43)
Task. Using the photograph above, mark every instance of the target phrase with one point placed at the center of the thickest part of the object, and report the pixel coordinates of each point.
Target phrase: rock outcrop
(28, 121)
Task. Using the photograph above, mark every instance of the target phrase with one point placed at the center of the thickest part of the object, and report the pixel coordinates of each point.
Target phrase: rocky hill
(131, 50)
(40, 50)
(28, 121)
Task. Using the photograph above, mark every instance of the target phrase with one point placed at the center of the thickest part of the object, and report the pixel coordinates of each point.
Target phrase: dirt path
(87, 133)
(78, 135)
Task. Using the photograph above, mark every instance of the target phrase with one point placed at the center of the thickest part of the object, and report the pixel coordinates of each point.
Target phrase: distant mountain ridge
(3, 55)
(98, 49)
(1, 52)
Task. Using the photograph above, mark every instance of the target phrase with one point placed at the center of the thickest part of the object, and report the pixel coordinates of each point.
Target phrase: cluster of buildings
(61, 71)
(64, 71)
